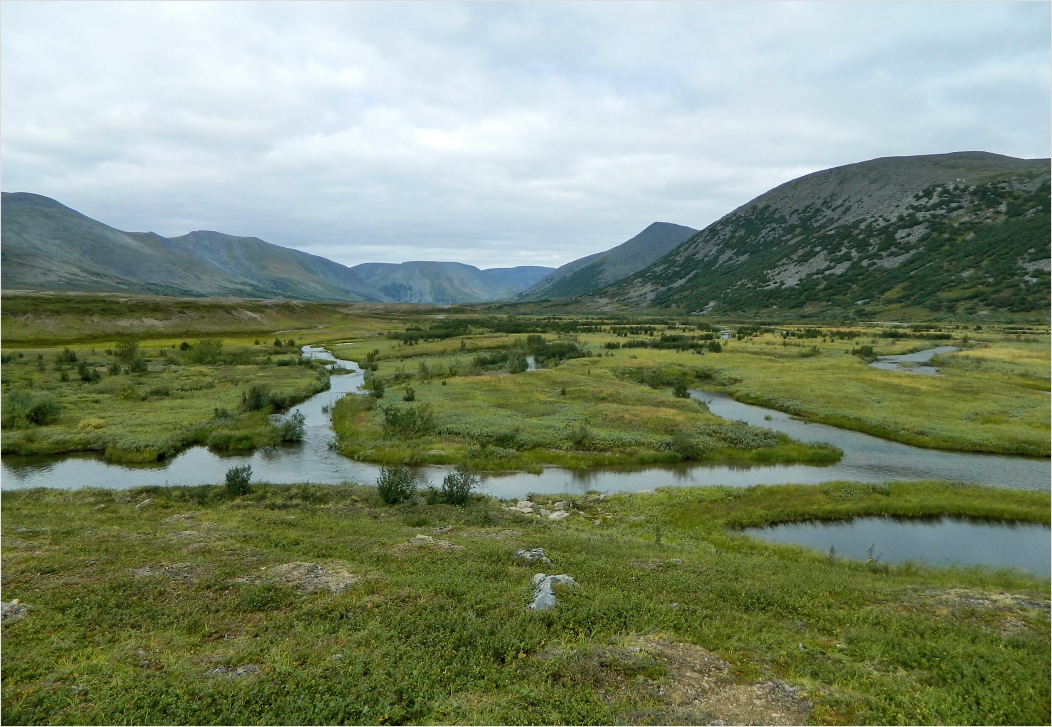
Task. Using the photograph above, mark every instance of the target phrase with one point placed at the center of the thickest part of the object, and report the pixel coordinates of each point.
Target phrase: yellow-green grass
(578, 414)
(1000, 405)
(198, 608)
(152, 415)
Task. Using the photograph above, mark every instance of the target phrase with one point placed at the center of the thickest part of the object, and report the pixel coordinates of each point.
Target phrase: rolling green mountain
(595, 271)
(48, 246)
(958, 233)
(446, 283)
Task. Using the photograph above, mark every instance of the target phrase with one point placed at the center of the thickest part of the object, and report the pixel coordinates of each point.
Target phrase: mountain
(595, 271)
(957, 233)
(443, 282)
(48, 246)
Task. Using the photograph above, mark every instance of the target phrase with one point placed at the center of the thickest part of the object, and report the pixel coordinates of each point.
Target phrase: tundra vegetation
(249, 603)
(309, 604)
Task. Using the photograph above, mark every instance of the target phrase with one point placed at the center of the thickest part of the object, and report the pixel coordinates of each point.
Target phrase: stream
(866, 459)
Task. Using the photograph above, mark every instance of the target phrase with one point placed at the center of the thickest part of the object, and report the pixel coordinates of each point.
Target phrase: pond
(941, 542)
(866, 459)
(895, 363)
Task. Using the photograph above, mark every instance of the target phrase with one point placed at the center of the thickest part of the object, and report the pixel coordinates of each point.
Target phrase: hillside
(447, 282)
(958, 233)
(592, 272)
(48, 246)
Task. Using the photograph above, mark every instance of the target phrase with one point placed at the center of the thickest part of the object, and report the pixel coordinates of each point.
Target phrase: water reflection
(939, 541)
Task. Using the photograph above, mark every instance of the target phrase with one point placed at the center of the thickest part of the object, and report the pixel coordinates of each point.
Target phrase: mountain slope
(951, 233)
(446, 283)
(48, 246)
(592, 272)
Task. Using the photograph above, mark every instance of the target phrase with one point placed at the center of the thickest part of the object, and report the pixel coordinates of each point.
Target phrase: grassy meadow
(321, 604)
(318, 604)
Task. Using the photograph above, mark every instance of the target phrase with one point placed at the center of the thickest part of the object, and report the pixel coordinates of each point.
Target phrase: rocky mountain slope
(48, 246)
(593, 272)
(445, 282)
(955, 233)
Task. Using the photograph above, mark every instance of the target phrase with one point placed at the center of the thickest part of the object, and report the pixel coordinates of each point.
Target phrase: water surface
(943, 542)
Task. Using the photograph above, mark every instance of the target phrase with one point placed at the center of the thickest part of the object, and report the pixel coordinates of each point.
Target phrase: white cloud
(491, 133)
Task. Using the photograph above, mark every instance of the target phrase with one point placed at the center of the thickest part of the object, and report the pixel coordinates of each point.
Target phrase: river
(866, 459)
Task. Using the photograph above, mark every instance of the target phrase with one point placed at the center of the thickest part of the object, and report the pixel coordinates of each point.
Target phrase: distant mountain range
(445, 283)
(959, 233)
(603, 268)
(949, 234)
(48, 246)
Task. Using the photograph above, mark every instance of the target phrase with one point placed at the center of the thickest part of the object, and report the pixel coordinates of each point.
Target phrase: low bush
(457, 486)
(238, 480)
(24, 409)
(395, 484)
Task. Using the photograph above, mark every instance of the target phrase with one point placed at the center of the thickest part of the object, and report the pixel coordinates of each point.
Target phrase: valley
(205, 519)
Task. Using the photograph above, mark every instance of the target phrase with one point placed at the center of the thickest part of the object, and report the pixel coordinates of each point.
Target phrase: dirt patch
(683, 684)
(313, 577)
(174, 571)
(1006, 613)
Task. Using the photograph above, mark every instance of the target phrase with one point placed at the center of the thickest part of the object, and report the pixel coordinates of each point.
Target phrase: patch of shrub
(291, 428)
(238, 480)
(408, 421)
(23, 409)
(395, 484)
(457, 486)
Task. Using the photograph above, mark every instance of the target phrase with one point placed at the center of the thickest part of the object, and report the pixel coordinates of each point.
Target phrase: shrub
(206, 351)
(138, 366)
(238, 480)
(127, 350)
(409, 421)
(256, 398)
(410, 394)
(67, 356)
(291, 428)
(23, 409)
(395, 484)
(457, 486)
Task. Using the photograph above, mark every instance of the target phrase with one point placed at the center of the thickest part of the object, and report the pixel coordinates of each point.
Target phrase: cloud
(491, 133)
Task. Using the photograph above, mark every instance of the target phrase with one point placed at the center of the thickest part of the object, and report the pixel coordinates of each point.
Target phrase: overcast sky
(496, 134)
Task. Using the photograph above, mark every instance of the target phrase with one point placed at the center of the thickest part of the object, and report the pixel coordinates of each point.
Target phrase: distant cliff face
(593, 272)
(950, 233)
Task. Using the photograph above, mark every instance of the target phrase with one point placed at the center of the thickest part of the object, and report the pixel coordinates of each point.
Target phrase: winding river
(866, 459)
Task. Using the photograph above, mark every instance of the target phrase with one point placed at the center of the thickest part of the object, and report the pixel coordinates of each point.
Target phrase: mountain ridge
(47, 245)
(964, 232)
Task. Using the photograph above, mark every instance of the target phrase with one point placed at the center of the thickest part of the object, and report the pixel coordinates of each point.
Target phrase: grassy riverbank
(144, 400)
(312, 604)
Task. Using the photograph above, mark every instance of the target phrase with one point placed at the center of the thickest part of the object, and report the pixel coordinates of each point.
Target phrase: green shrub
(257, 398)
(238, 480)
(395, 484)
(457, 486)
(291, 428)
(23, 409)
(408, 421)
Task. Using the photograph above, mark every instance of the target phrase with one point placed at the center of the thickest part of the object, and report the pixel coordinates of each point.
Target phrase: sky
(494, 134)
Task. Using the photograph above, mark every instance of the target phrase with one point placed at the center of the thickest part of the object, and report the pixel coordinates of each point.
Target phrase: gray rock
(13, 611)
(561, 505)
(533, 555)
(544, 590)
(145, 503)
(561, 515)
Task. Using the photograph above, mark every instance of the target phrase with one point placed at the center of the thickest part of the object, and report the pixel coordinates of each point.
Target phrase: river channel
(866, 459)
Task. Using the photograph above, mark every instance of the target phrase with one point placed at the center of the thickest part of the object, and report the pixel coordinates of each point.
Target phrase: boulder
(544, 590)
(533, 555)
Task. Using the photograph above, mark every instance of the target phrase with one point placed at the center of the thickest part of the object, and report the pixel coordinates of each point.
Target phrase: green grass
(581, 413)
(131, 609)
(142, 417)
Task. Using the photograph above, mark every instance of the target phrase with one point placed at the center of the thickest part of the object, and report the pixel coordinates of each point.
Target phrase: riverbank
(317, 604)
